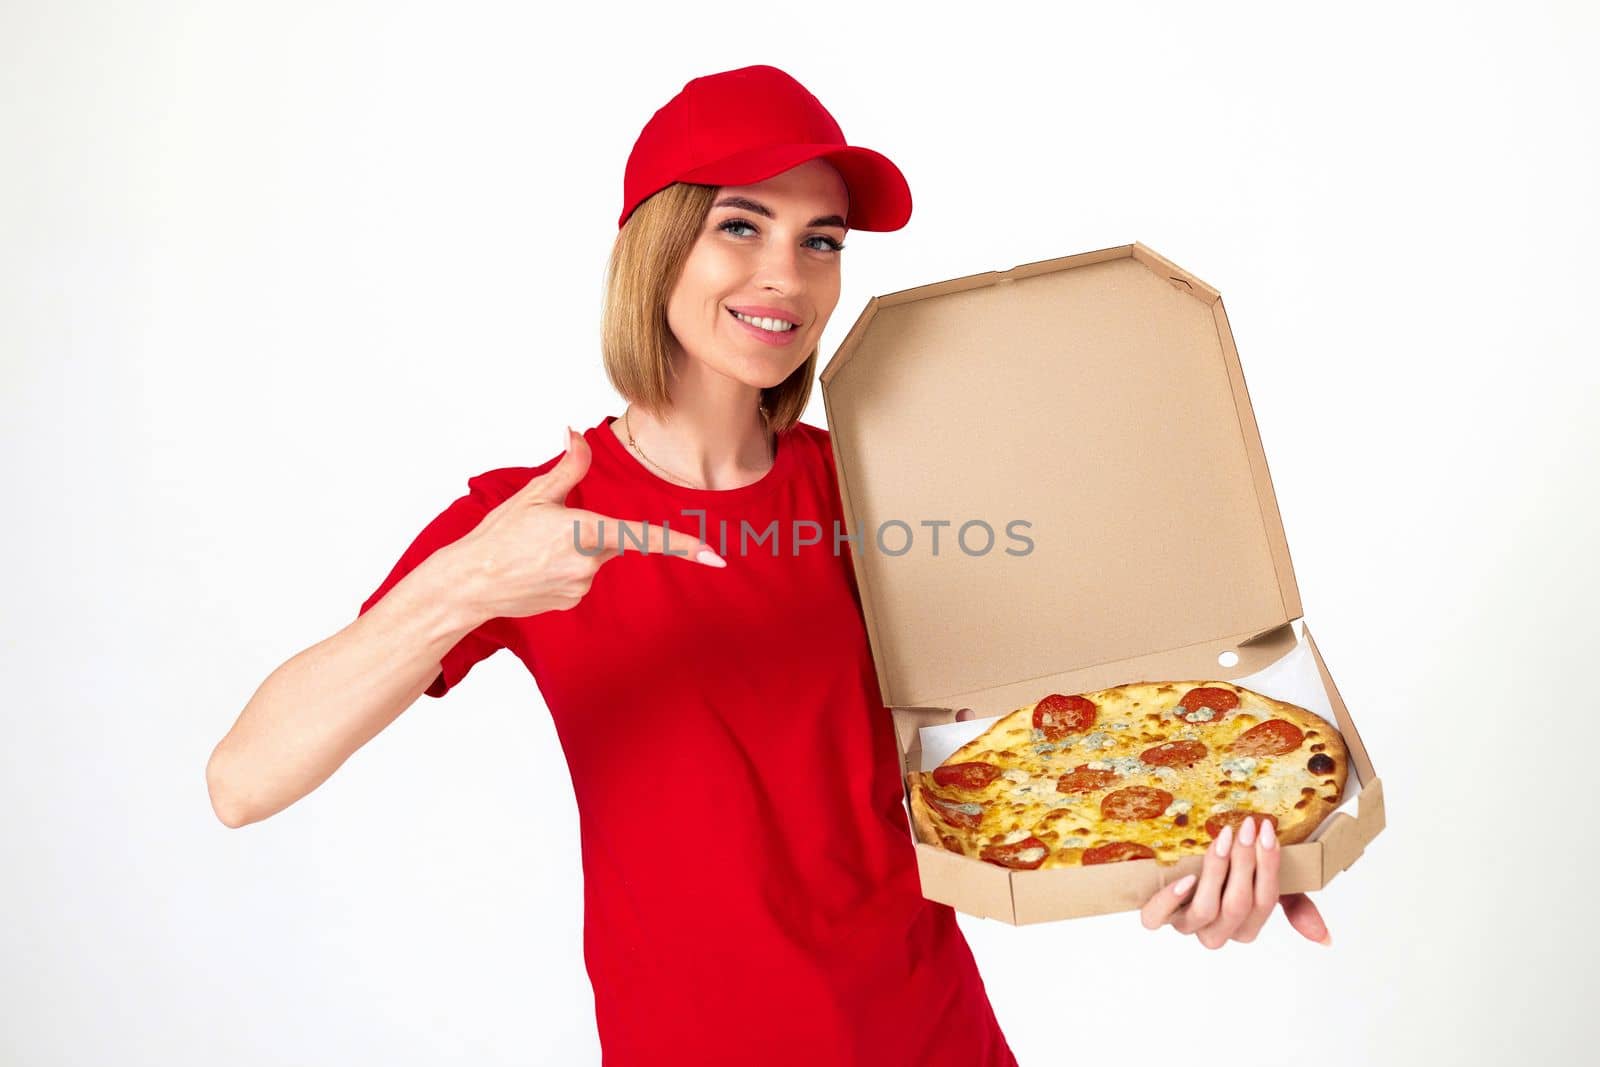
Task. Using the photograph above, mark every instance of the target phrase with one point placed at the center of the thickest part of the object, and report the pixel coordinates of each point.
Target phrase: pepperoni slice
(1215, 824)
(1083, 780)
(1271, 738)
(1059, 715)
(1208, 696)
(974, 775)
(1135, 802)
(1117, 851)
(967, 816)
(952, 843)
(1175, 754)
(1022, 855)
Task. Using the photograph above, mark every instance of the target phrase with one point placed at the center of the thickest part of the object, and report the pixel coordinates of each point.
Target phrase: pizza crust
(920, 818)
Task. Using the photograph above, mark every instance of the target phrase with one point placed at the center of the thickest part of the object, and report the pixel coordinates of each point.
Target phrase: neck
(712, 438)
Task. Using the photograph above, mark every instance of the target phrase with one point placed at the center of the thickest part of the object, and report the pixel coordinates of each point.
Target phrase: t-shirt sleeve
(455, 522)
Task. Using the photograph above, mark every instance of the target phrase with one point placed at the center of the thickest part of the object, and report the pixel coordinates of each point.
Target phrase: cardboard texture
(1092, 411)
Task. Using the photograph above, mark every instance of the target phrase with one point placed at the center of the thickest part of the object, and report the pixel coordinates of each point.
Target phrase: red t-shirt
(750, 887)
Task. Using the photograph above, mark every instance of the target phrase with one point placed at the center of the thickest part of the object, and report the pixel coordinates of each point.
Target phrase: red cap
(744, 126)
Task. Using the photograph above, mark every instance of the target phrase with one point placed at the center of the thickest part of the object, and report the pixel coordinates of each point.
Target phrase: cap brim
(880, 199)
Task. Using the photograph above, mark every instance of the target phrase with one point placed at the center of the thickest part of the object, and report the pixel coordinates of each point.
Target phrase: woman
(751, 892)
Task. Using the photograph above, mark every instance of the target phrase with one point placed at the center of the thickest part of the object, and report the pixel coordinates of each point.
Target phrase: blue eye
(830, 245)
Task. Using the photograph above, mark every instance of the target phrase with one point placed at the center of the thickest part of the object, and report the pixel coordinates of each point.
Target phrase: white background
(278, 278)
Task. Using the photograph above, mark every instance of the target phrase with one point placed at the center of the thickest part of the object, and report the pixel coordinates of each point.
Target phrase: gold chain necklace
(627, 425)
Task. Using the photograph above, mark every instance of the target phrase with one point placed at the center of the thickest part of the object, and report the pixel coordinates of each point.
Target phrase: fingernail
(710, 558)
(1247, 833)
(566, 440)
(1224, 841)
(1327, 939)
(1182, 885)
(1269, 836)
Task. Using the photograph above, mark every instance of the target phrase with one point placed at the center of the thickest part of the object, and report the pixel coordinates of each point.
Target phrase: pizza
(1144, 770)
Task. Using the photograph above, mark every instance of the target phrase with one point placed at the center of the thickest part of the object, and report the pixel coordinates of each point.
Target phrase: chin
(758, 373)
(770, 381)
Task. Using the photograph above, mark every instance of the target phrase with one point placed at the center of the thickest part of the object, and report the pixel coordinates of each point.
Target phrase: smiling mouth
(770, 325)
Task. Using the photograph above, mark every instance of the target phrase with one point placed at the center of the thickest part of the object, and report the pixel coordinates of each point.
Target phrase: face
(769, 250)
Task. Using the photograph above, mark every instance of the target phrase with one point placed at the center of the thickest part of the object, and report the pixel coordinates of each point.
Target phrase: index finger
(1266, 887)
(1206, 903)
(594, 533)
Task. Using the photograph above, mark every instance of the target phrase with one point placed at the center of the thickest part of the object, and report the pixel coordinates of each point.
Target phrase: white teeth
(775, 325)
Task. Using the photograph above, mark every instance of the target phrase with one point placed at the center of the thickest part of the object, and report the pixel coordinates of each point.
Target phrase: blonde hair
(635, 340)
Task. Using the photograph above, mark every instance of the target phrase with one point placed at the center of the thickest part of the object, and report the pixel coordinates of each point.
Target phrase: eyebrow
(744, 203)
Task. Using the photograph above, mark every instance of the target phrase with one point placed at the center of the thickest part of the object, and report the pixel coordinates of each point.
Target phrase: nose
(780, 268)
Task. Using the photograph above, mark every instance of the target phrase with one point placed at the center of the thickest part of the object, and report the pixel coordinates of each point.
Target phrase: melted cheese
(1024, 802)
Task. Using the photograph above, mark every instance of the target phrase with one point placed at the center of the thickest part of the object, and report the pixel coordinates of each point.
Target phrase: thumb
(1304, 917)
(554, 484)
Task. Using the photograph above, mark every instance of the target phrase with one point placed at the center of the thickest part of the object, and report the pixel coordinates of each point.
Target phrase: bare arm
(313, 712)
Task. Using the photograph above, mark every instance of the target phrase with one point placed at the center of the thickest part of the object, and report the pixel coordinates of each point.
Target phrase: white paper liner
(1294, 678)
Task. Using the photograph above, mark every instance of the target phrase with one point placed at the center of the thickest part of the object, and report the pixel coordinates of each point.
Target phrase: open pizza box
(1090, 410)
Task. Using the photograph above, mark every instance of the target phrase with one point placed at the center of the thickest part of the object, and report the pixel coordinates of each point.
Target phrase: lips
(766, 311)
(735, 313)
(765, 336)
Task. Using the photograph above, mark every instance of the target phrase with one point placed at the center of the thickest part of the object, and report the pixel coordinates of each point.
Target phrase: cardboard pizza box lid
(1080, 428)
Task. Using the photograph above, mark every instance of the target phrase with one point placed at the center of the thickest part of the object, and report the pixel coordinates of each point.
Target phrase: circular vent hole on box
(1229, 658)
